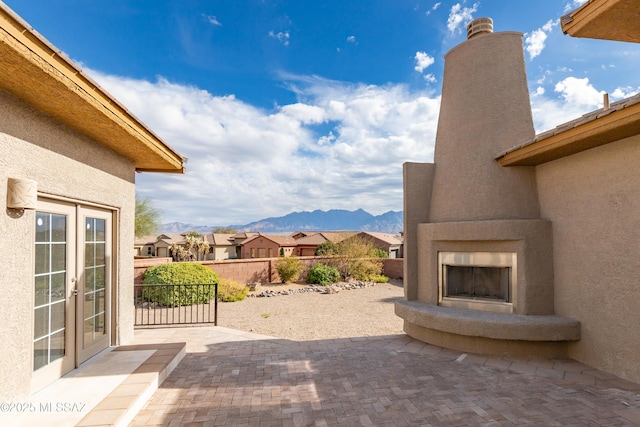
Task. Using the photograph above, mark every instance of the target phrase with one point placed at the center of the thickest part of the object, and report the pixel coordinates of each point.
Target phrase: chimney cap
(479, 26)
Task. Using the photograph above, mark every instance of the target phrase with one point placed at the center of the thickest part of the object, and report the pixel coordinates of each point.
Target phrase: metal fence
(157, 305)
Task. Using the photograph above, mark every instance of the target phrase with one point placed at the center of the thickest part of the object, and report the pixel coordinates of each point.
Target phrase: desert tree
(147, 220)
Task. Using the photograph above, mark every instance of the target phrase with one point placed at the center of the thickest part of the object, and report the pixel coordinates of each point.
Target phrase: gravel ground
(312, 315)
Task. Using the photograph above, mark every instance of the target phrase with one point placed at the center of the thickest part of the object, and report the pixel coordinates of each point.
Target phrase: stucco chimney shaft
(485, 110)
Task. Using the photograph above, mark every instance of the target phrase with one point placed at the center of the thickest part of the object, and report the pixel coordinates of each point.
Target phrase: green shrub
(326, 248)
(356, 259)
(379, 253)
(288, 268)
(321, 274)
(378, 278)
(230, 291)
(184, 273)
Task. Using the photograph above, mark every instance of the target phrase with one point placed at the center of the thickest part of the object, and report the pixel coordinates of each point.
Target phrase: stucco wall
(67, 164)
(485, 109)
(222, 252)
(593, 200)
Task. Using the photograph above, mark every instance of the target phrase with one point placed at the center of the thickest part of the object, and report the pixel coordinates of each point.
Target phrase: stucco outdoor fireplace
(479, 262)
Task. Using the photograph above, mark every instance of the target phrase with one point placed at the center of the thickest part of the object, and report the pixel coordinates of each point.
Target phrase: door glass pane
(57, 287)
(41, 322)
(58, 257)
(43, 227)
(40, 353)
(57, 312)
(57, 346)
(42, 290)
(94, 279)
(43, 260)
(50, 277)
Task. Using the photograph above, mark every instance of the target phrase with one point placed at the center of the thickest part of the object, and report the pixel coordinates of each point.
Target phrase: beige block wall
(67, 164)
(259, 270)
(593, 200)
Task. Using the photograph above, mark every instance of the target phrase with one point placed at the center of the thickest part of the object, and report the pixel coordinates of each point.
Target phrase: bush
(378, 278)
(184, 273)
(357, 259)
(288, 269)
(326, 248)
(230, 291)
(321, 274)
(379, 253)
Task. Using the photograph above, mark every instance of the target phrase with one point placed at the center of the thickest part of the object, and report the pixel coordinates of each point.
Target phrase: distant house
(145, 245)
(308, 243)
(390, 243)
(268, 246)
(164, 242)
(223, 246)
(300, 234)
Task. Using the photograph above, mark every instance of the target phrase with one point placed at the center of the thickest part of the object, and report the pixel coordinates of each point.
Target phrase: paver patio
(234, 378)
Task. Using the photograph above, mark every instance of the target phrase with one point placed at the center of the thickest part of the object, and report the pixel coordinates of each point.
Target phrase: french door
(72, 287)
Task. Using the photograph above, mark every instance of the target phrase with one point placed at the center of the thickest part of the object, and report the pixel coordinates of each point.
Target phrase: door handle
(75, 290)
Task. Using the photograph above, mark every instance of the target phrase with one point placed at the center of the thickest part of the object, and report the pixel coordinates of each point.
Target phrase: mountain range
(332, 220)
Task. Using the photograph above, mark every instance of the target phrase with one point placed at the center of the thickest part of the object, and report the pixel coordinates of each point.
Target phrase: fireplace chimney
(485, 110)
(479, 26)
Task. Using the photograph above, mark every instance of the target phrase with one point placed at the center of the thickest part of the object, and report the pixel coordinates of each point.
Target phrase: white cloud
(212, 20)
(624, 92)
(351, 39)
(535, 41)
(434, 8)
(282, 37)
(575, 98)
(579, 92)
(340, 146)
(423, 61)
(574, 4)
(459, 16)
(430, 78)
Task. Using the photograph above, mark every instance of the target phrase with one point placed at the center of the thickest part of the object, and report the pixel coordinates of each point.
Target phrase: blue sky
(286, 106)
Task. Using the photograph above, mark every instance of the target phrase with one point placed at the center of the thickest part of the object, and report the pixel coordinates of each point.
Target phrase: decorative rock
(333, 289)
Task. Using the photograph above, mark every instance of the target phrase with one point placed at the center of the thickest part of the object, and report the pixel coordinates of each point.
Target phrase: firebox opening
(477, 280)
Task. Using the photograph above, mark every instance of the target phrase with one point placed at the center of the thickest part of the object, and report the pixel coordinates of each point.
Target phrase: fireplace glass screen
(490, 283)
(478, 280)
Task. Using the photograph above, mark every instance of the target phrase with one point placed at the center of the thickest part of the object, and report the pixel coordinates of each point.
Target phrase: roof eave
(575, 137)
(53, 84)
(605, 20)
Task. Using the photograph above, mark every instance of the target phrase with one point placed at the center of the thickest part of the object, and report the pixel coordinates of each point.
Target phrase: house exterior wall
(145, 250)
(66, 164)
(259, 248)
(262, 247)
(222, 252)
(593, 199)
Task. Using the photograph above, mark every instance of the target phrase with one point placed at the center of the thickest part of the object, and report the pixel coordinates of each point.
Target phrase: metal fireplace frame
(478, 259)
